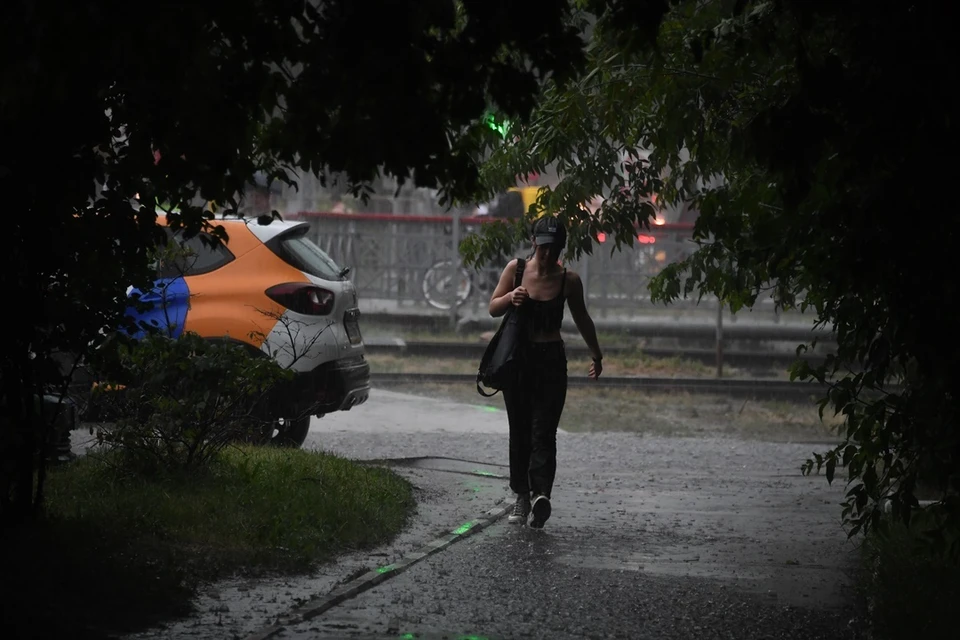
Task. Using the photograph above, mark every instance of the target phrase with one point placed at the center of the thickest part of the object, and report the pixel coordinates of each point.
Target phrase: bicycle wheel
(437, 283)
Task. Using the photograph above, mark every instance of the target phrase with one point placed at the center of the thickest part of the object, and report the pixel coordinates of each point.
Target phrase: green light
(480, 472)
(385, 569)
(408, 636)
(490, 409)
(500, 127)
(463, 528)
(471, 637)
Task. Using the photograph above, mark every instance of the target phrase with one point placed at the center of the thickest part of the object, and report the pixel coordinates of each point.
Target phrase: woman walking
(534, 406)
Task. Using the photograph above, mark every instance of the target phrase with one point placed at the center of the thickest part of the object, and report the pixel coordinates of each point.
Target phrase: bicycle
(438, 280)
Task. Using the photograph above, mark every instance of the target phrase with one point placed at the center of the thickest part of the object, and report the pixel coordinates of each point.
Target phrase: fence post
(604, 297)
(396, 272)
(719, 337)
(455, 266)
(585, 278)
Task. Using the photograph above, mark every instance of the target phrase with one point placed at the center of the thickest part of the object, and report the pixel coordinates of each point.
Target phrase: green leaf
(848, 453)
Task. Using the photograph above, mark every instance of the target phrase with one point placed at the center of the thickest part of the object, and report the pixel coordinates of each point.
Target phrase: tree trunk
(18, 447)
(11, 453)
(28, 443)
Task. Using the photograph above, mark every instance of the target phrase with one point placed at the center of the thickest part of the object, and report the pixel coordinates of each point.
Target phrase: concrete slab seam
(376, 576)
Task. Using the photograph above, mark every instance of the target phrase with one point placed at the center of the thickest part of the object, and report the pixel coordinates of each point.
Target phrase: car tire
(290, 433)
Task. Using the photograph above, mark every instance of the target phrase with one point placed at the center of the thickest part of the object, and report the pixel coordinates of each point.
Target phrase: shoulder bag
(500, 364)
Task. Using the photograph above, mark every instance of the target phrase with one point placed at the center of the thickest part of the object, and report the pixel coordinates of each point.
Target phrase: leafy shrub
(910, 589)
(177, 402)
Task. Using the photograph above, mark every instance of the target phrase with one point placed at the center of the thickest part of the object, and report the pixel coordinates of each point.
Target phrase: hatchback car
(271, 288)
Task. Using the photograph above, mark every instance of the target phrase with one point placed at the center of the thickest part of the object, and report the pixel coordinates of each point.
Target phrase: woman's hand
(596, 368)
(518, 295)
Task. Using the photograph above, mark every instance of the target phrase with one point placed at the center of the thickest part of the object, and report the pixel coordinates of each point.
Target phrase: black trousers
(534, 407)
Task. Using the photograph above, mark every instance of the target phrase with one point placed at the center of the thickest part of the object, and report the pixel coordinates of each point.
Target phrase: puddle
(790, 583)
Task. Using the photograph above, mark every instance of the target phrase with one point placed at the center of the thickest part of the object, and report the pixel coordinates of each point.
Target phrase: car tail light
(302, 298)
(645, 239)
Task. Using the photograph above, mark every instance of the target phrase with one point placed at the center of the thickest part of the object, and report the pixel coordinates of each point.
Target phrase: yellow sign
(529, 196)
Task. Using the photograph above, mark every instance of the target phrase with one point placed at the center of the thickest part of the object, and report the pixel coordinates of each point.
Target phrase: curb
(381, 574)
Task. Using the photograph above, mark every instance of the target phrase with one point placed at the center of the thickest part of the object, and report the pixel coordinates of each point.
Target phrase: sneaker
(521, 509)
(541, 511)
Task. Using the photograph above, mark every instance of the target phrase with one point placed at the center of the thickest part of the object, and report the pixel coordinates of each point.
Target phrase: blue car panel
(169, 302)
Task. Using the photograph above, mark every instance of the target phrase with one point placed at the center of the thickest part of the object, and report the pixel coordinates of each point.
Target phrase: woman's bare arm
(505, 294)
(578, 310)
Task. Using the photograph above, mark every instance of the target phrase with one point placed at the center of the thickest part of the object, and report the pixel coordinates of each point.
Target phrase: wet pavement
(649, 538)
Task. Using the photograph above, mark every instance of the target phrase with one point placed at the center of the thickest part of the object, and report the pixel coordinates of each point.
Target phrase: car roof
(263, 232)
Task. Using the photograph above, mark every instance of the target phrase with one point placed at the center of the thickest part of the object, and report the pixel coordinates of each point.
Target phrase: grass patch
(373, 329)
(394, 363)
(666, 414)
(417, 334)
(910, 593)
(139, 547)
(627, 364)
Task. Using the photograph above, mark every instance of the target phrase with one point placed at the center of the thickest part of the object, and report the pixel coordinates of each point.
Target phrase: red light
(601, 237)
(645, 239)
(302, 298)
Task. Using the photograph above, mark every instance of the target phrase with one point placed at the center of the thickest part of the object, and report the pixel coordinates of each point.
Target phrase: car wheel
(288, 432)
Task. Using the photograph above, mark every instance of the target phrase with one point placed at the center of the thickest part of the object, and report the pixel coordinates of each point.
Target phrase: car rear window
(299, 251)
(197, 255)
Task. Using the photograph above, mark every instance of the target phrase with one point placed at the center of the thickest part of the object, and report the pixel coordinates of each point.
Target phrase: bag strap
(517, 280)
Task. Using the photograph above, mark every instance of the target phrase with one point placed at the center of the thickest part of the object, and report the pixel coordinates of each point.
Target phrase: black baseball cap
(549, 230)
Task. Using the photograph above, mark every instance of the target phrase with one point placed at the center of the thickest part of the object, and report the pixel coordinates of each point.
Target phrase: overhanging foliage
(182, 103)
(816, 156)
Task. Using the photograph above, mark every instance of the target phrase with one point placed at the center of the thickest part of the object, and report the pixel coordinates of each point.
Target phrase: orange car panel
(231, 301)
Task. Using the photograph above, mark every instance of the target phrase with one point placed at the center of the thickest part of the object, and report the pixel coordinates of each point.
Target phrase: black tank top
(545, 316)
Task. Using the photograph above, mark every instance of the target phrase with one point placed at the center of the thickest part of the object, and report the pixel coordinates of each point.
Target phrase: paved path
(650, 538)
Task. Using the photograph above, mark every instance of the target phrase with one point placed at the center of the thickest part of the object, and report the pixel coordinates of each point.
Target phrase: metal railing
(390, 255)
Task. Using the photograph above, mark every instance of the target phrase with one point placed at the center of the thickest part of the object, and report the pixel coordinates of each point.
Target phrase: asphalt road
(649, 538)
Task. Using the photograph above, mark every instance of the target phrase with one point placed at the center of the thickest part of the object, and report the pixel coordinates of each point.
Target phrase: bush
(177, 402)
(911, 590)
